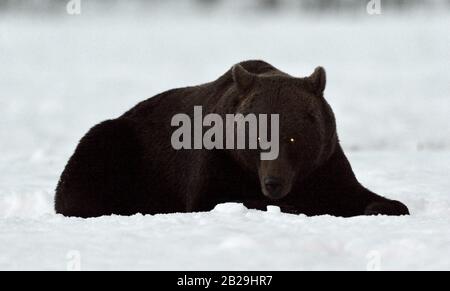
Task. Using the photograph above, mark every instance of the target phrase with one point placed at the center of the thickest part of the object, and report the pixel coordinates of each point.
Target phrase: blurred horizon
(55, 7)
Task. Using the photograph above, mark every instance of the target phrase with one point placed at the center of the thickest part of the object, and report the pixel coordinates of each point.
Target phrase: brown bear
(128, 165)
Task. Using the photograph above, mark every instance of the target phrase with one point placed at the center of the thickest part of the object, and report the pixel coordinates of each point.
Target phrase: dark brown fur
(127, 165)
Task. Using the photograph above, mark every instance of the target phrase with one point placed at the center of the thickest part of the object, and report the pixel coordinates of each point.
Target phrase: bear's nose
(273, 186)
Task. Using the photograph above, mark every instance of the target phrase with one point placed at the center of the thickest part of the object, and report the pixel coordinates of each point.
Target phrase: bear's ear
(243, 79)
(318, 80)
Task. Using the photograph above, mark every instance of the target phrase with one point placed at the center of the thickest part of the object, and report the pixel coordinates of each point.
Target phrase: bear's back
(182, 100)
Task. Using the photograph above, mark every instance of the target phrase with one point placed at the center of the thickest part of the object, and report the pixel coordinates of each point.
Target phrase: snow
(273, 209)
(388, 83)
(232, 237)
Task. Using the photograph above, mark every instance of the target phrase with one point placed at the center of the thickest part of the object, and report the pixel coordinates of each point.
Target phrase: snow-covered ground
(388, 82)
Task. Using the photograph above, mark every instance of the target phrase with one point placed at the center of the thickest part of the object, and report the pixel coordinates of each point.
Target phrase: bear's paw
(389, 207)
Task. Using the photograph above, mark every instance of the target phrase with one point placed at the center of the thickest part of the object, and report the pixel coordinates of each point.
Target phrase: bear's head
(307, 127)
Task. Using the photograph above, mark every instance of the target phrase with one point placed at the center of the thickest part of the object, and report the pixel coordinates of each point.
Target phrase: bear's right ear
(243, 79)
(318, 80)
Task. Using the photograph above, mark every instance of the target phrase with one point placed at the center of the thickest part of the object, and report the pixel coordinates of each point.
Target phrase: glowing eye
(259, 138)
(292, 140)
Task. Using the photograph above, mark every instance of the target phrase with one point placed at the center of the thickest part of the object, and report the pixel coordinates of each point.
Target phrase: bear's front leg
(333, 189)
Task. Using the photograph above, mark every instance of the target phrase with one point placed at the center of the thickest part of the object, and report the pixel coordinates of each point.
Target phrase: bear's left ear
(318, 80)
(243, 79)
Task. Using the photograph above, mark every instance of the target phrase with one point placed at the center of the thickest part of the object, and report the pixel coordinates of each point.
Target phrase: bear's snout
(274, 187)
